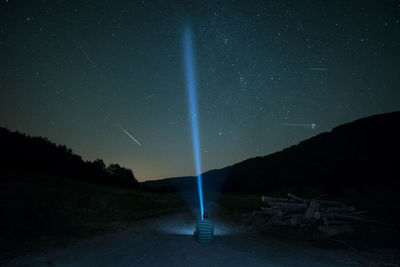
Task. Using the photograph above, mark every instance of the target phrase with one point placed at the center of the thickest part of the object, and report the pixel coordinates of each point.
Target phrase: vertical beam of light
(191, 87)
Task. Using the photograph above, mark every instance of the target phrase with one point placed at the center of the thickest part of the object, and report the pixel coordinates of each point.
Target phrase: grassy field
(40, 210)
(236, 205)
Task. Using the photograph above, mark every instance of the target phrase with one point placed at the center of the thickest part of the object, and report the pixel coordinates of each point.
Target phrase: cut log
(351, 218)
(273, 200)
(312, 208)
(359, 212)
(291, 206)
(328, 203)
(332, 230)
(324, 216)
(296, 198)
(335, 222)
(337, 209)
(299, 211)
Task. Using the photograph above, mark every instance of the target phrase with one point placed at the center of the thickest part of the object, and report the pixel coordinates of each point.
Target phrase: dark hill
(39, 155)
(357, 154)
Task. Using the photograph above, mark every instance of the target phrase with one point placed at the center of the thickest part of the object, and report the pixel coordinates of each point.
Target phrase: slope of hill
(213, 179)
(38, 155)
(355, 154)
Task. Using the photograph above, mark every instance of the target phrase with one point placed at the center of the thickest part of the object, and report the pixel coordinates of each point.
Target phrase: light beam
(191, 88)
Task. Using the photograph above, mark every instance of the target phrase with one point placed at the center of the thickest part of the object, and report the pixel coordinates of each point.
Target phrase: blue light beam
(191, 87)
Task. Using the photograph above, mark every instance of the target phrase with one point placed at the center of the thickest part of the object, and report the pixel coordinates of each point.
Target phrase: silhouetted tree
(18, 151)
(122, 175)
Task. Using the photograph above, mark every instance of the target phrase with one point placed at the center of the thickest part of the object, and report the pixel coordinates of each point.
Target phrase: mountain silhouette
(357, 154)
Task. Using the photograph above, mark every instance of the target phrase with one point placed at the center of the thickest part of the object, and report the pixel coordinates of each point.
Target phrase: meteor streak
(133, 138)
(318, 69)
(312, 125)
(80, 46)
(88, 58)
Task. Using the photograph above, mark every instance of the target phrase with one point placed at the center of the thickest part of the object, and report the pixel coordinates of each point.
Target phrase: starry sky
(77, 72)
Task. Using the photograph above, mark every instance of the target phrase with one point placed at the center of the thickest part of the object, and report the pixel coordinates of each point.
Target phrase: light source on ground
(186, 229)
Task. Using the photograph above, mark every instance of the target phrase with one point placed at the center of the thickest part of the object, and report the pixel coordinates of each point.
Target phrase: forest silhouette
(39, 155)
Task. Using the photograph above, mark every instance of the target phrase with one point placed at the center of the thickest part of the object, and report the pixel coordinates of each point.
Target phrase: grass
(39, 210)
(236, 205)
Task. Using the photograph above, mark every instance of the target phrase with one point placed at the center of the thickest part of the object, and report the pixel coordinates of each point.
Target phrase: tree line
(37, 154)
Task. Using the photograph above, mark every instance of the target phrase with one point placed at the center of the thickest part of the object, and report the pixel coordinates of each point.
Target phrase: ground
(168, 241)
(55, 221)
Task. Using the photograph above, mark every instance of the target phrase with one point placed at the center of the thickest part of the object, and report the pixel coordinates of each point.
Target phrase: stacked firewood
(329, 217)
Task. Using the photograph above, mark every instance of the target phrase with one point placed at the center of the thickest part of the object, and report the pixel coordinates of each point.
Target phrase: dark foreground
(55, 221)
(167, 241)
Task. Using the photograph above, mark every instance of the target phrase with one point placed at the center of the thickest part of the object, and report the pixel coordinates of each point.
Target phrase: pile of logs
(329, 217)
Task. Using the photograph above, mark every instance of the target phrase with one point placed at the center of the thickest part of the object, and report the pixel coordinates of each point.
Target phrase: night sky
(77, 71)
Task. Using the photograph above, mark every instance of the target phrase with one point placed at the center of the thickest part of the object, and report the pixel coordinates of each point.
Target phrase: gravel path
(167, 241)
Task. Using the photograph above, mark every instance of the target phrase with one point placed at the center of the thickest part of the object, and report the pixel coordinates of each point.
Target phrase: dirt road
(167, 241)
